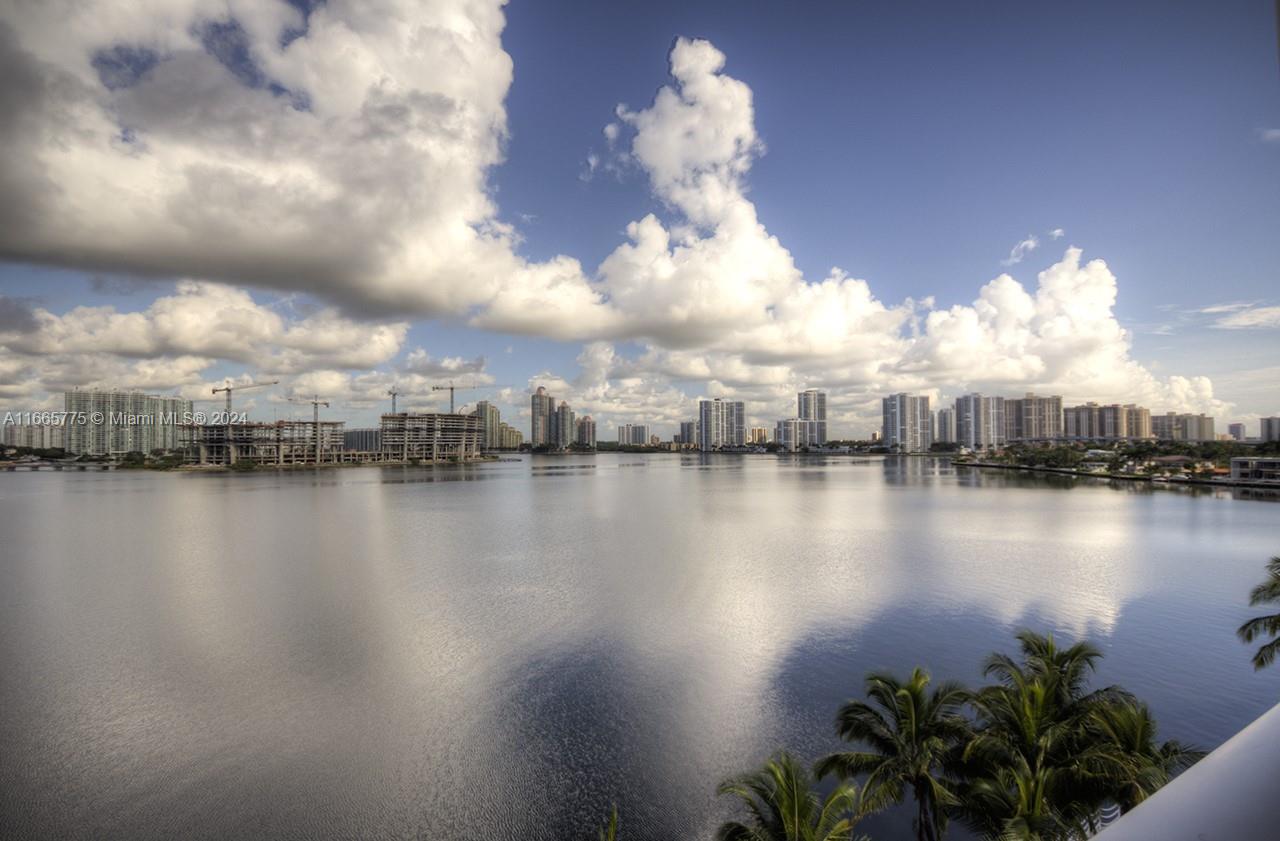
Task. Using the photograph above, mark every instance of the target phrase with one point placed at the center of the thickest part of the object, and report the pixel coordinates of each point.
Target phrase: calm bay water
(504, 650)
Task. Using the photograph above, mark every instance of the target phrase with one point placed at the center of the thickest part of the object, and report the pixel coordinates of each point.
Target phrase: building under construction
(409, 436)
(286, 442)
(403, 437)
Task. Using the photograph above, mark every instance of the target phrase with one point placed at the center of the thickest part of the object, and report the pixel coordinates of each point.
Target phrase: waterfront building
(118, 422)
(944, 426)
(689, 432)
(1270, 429)
(759, 435)
(563, 427)
(430, 435)
(787, 434)
(721, 424)
(585, 434)
(1256, 469)
(812, 407)
(980, 421)
(286, 442)
(510, 437)
(906, 423)
(362, 440)
(542, 408)
(1077, 422)
(1174, 426)
(1236, 431)
(634, 435)
(1033, 418)
(1137, 421)
(490, 418)
(37, 436)
(797, 433)
(1091, 421)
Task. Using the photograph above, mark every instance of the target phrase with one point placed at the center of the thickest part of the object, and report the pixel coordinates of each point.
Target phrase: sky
(640, 205)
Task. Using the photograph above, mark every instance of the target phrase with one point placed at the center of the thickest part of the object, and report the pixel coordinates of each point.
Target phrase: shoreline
(101, 467)
(1125, 477)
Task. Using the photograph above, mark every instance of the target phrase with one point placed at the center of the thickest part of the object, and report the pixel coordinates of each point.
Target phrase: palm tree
(908, 732)
(783, 806)
(1066, 670)
(1268, 592)
(1128, 726)
(1036, 767)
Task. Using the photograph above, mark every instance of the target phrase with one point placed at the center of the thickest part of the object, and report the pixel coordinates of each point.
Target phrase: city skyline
(466, 418)
(628, 266)
(908, 422)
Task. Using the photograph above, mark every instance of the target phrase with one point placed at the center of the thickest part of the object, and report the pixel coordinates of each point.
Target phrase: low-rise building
(1256, 469)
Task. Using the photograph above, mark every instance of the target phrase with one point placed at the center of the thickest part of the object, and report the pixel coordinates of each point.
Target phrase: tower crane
(230, 388)
(451, 387)
(316, 403)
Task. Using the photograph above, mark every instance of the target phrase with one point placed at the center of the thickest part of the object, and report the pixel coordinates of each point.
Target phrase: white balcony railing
(1233, 794)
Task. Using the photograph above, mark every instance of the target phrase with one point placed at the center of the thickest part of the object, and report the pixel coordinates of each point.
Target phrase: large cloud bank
(345, 152)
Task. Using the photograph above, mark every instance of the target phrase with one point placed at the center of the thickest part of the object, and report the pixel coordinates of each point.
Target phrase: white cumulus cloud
(195, 139)
(346, 154)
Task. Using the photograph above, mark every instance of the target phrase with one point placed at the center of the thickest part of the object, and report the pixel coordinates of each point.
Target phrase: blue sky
(912, 145)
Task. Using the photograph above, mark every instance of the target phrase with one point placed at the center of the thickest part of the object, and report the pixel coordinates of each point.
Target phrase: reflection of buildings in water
(714, 461)
(1262, 494)
(611, 619)
(1067, 557)
(910, 469)
(1082, 589)
(985, 477)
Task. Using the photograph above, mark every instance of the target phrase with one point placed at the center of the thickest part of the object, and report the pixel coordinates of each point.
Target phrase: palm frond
(1266, 655)
(609, 832)
(1259, 626)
